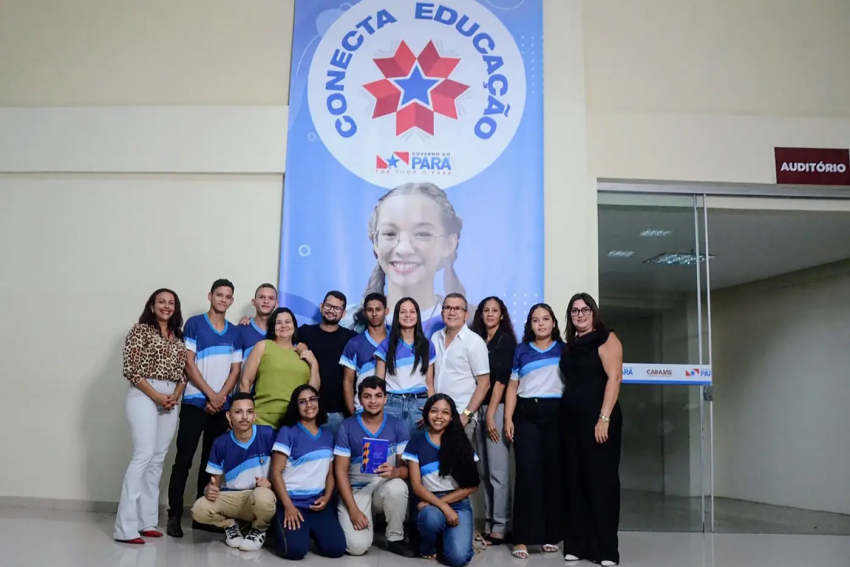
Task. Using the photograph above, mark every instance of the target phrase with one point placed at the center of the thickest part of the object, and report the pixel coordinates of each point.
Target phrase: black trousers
(593, 487)
(538, 498)
(194, 423)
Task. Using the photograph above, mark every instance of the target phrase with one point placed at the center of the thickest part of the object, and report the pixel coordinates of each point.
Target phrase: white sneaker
(570, 557)
(254, 540)
(607, 563)
(233, 536)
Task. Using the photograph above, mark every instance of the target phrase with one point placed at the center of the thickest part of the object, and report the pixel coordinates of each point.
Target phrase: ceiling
(746, 245)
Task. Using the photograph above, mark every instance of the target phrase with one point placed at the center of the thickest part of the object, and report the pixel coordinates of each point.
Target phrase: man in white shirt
(463, 365)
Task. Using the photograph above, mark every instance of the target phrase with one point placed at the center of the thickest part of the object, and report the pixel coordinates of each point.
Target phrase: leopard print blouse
(147, 354)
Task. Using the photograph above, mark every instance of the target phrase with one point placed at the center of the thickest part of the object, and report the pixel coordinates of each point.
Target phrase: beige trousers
(256, 506)
(387, 497)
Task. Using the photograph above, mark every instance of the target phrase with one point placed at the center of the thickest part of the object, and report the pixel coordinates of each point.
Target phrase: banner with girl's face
(415, 154)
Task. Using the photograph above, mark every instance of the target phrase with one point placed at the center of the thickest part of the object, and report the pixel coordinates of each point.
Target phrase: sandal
(481, 538)
(550, 548)
(520, 553)
(493, 540)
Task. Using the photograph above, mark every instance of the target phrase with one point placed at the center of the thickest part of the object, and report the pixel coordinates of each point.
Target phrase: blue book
(375, 454)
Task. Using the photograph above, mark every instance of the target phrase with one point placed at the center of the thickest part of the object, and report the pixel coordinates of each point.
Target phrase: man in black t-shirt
(327, 340)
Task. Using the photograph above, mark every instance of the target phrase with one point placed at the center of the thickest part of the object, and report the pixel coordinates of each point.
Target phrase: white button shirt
(459, 366)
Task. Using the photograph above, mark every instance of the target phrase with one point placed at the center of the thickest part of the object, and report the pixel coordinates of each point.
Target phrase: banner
(415, 154)
(669, 374)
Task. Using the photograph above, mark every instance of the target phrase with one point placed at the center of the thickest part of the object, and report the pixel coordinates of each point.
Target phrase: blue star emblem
(393, 162)
(416, 87)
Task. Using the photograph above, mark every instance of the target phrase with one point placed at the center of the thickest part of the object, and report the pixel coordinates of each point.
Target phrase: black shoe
(173, 527)
(400, 548)
(207, 528)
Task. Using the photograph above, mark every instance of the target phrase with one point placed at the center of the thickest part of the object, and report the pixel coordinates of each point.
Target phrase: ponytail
(451, 283)
(376, 281)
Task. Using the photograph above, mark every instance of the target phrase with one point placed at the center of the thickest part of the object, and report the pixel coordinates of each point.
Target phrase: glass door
(654, 292)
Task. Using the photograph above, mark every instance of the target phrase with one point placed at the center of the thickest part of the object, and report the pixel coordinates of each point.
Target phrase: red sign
(812, 166)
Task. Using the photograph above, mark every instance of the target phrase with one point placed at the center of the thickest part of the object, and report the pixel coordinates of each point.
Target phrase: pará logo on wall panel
(439, 79)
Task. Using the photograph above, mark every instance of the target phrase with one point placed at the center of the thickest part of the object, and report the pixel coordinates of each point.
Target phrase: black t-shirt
(501, 350)
(328, 349)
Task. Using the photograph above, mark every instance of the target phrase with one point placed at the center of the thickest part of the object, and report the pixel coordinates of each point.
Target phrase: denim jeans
(406, 408)
(457, 540)
(334, 421)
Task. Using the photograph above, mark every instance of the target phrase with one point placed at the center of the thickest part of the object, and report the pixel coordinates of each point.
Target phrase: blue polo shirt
(359, 355)
(241, 463)
(404, 379)
(214, 352)
(537, 371)
(349, 443)
(309, 459)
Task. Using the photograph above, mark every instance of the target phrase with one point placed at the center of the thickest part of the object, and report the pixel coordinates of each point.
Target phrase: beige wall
(72, 282)
(781, 390)
(684, 90)
(124, 52)
(96, 244)
(88, 251)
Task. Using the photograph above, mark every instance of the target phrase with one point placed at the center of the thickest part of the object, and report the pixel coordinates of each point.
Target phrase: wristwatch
(467, 413)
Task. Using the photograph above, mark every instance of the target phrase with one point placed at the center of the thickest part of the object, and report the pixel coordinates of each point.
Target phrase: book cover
(375, 454)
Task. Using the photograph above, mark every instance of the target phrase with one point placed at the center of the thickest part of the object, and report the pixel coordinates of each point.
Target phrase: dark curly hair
(293, 415)
(528, 336)
(175, 322)
(456, 456)
(505, 324)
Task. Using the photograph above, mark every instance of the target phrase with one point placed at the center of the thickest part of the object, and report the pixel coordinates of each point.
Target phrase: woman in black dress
(592, 366)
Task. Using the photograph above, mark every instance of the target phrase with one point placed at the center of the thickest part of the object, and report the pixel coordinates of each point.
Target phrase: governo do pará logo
(402, 90)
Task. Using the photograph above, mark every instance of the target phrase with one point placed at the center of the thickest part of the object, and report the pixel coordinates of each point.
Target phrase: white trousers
(152, 431)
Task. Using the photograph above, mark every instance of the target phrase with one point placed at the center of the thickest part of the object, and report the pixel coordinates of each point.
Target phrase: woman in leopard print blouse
(154, 364)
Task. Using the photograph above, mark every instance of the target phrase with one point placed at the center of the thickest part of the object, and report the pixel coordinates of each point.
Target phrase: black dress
(592, 470)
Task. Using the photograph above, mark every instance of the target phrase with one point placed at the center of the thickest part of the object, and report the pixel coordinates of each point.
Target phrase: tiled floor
(46, 538)
(650, 511)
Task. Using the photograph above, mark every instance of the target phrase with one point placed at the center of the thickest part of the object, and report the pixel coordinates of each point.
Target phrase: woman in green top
(278, 369)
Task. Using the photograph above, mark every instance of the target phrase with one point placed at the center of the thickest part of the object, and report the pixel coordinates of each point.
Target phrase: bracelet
(604, 418)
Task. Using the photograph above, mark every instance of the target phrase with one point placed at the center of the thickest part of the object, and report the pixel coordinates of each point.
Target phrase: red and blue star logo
(414, 88)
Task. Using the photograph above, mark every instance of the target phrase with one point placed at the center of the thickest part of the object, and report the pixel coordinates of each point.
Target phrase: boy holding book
(378, 485)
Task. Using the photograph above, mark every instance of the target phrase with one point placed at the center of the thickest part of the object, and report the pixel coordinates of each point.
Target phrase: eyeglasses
(308, 402)
(583, 311)
(389, 239)
(453, 309)
(333, 308)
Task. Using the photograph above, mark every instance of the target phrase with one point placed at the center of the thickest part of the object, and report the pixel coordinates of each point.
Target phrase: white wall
(81, 255)
(123, 52)
(703, 91)
(781, 390)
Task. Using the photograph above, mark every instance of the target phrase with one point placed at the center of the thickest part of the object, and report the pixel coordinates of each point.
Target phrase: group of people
(307, 433)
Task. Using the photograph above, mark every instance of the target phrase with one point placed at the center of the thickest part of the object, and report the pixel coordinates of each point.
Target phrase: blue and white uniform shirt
(359, 355)
(214, 353)
(309, 460)
(241, 463)
(349, 443)
(537, 371)
(249, 336)
(423, 451)
(405, 380)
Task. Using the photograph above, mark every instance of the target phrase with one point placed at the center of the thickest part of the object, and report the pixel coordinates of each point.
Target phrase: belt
(420, 396)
